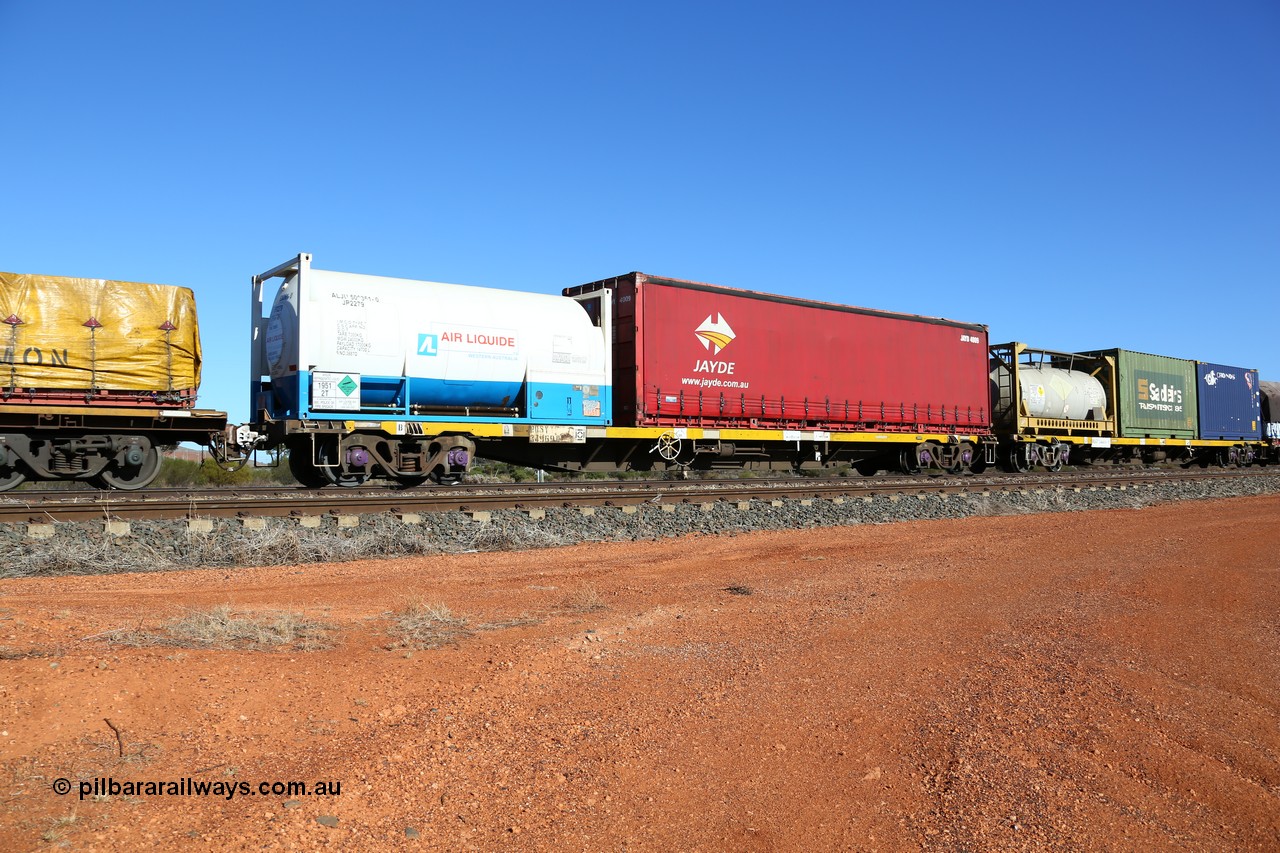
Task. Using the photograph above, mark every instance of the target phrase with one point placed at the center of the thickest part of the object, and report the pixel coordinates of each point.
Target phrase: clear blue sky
(1075, 175)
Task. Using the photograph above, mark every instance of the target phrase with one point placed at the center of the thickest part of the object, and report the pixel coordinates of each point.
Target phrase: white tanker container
(342, 342)
(1051, 392)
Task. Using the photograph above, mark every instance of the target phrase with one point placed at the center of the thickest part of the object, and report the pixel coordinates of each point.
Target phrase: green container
(1157, 394)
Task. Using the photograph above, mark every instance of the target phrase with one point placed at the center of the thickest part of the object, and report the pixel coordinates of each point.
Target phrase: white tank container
(459, 345)
(1051, 392)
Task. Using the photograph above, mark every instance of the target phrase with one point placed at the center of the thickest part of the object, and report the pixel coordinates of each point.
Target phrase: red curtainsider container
(702, 355)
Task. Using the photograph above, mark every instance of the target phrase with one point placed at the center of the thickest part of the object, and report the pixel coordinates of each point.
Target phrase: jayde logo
(717, 334)
(714, 334)
(428, 345)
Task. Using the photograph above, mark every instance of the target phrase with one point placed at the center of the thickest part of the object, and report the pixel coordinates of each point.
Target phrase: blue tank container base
(383, 397)
(563, 403)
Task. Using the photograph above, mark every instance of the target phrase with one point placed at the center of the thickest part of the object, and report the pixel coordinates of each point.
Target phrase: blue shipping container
(1230, 402)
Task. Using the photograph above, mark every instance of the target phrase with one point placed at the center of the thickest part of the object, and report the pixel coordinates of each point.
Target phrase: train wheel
(330, 468)
(136, 470)
(11, 478)
(446, 479)
(1018, 463)
(303, 471)
(908, 462)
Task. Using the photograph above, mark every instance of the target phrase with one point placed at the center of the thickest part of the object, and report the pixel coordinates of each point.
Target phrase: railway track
(66, 505)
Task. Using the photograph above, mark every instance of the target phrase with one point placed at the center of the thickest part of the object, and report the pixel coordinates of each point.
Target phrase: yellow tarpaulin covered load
(108, 342)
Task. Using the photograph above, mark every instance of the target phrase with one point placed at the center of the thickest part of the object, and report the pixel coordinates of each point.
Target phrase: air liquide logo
(717, 335)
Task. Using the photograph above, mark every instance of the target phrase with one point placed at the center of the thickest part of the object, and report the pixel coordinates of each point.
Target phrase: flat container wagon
(362, 376)
(691, 354)
(96, 375)
(1230, 403)
(1156, 395)
(1049, 407)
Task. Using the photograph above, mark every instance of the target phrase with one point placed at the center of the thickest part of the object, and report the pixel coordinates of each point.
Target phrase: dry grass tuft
(222, 628)
(506, 535)
(423, 625)
(87, 558)
(59, 828)
(8, 653)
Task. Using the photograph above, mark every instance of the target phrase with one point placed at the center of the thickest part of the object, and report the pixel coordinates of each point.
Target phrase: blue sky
(1075, 175)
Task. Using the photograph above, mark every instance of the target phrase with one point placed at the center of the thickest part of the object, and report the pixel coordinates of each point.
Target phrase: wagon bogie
(337, 457)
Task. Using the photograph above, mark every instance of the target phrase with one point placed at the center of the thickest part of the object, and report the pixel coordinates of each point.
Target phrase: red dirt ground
(1076, 681)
